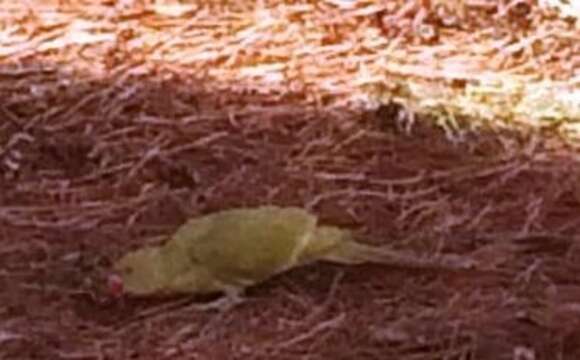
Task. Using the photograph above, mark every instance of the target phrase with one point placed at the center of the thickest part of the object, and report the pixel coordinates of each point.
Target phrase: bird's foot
(223, 304)
(458, 262)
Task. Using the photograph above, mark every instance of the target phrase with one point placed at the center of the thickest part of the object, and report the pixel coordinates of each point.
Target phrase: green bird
(231, 250)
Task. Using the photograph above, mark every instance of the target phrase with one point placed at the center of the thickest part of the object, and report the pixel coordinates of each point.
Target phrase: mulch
(93, 166)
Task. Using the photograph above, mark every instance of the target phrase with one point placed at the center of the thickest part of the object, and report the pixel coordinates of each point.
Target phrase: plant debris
(119, 120)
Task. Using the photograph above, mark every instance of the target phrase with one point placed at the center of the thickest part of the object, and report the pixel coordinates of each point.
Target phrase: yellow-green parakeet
(230, 250)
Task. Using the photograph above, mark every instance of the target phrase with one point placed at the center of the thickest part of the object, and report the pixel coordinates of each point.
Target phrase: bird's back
(249, 245)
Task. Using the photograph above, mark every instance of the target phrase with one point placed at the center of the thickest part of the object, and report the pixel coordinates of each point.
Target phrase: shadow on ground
(91, 168)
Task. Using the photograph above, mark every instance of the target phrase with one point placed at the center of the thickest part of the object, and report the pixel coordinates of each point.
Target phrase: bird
(230, 250)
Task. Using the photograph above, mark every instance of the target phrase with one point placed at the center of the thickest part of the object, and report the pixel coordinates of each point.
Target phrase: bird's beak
(115, 285)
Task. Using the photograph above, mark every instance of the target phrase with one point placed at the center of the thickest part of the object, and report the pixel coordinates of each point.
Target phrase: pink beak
(115, 285)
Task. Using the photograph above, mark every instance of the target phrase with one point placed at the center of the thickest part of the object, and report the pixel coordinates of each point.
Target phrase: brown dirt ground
(89, 187)
(92, 168)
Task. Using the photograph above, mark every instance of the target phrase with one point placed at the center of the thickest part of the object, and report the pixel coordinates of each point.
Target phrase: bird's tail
(332, 244)
(353, 253)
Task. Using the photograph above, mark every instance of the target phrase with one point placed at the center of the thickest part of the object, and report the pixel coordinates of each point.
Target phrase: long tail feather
(352, 253)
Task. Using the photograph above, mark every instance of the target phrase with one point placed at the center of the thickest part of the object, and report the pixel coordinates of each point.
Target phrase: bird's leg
(233, 296)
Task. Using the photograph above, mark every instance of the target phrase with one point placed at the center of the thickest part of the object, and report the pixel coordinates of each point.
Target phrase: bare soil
(92, 186)
(94, 166)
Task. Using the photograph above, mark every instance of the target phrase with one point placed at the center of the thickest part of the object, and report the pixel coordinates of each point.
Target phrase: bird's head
(137, 273)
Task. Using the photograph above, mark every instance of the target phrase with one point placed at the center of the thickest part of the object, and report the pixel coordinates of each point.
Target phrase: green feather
(230, 250)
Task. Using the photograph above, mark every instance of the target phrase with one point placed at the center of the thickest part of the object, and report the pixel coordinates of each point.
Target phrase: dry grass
(516, 61)
(120, 121)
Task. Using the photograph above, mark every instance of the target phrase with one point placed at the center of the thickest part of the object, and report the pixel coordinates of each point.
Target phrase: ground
(503, 198)
(98, 167)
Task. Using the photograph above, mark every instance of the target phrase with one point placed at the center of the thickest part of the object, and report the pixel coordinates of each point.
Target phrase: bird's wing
(324, 241)
(246, 246)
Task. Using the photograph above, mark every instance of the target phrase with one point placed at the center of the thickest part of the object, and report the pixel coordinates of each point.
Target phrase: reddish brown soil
(92, 183)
